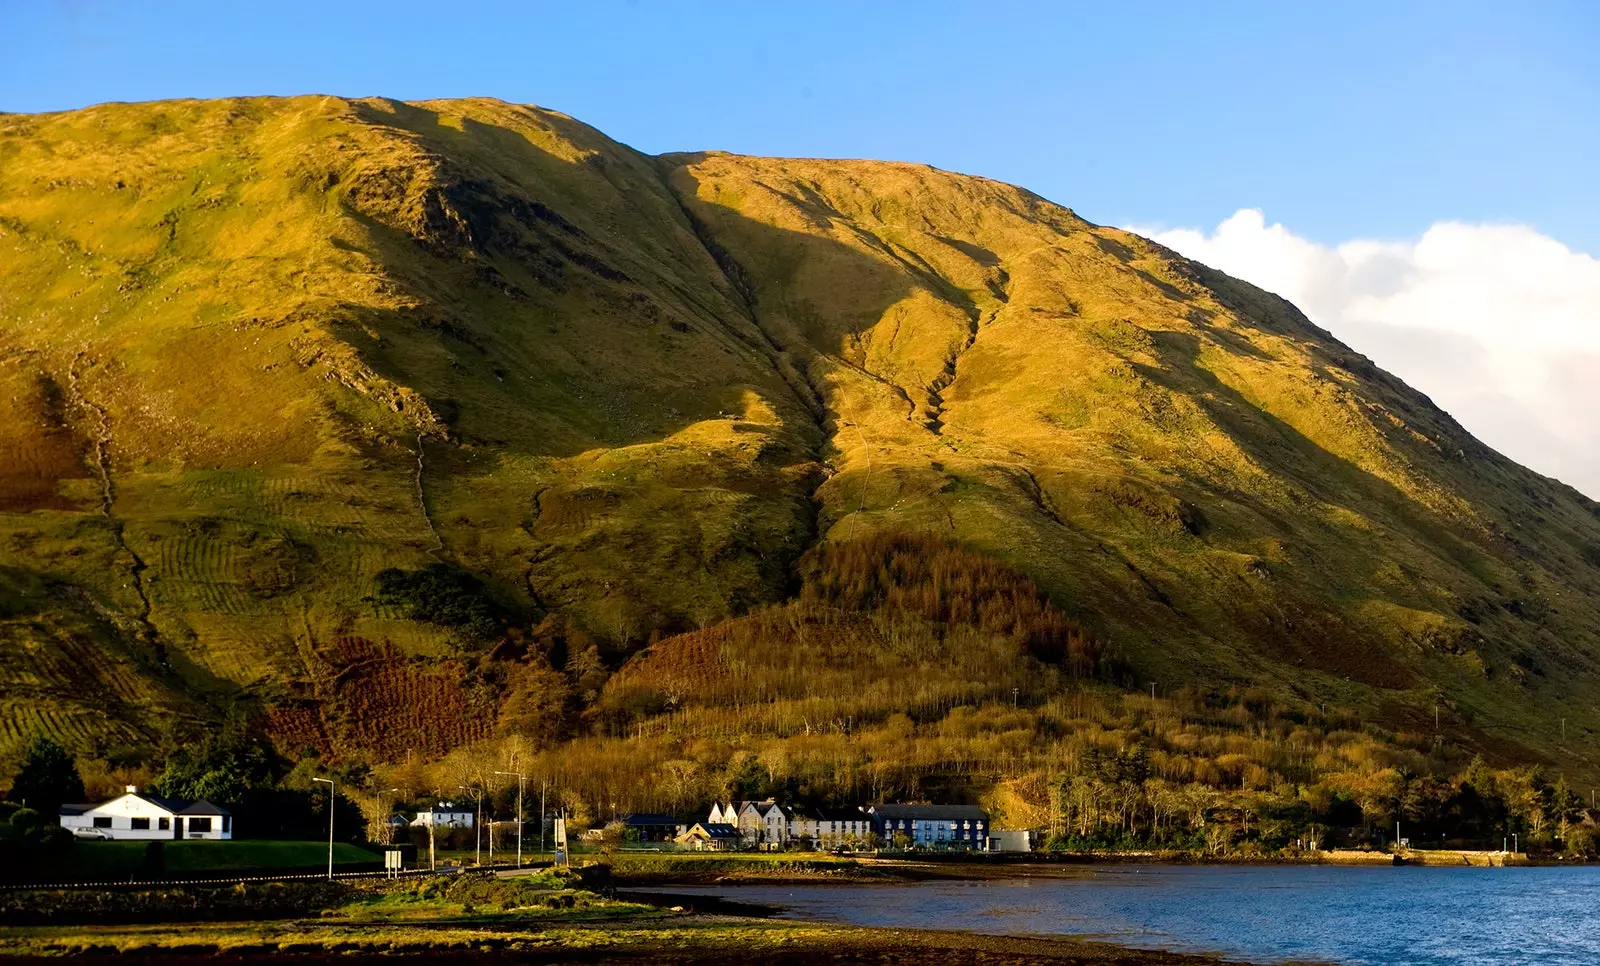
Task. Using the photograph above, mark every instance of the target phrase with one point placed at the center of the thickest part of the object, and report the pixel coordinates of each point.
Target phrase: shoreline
(635, 871)
(560, 917)
(679, 939)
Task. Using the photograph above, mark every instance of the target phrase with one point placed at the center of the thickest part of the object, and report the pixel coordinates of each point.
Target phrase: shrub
(1581, 842)
(444, 595)
(272, 900)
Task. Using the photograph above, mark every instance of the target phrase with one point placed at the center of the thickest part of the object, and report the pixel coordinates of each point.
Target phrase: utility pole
(1014, 696)
(544, 786)
(520, 780)
(329, 783)
(388, 825)
(477, 858)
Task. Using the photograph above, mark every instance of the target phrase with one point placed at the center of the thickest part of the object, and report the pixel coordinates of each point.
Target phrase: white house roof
(203, 807)
(446, 809)
(172, 806)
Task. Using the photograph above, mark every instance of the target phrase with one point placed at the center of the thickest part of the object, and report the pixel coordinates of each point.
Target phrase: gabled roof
(202, 807)
(447, 808)
(172, 806)
(932, 813)
(717, 830)
(829, 814)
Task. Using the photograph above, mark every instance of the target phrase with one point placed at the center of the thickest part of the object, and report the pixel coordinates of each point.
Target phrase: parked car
(94, 834)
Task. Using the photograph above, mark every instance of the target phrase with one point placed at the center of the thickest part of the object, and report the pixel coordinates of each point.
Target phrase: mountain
(397, 426)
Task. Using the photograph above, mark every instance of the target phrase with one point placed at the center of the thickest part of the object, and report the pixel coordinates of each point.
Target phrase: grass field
(108, 861)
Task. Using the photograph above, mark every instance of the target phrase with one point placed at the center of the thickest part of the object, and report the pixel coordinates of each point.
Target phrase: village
(769, 826)
(733, 826)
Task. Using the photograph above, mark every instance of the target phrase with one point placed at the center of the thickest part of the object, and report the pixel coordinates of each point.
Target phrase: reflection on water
(1356, 916)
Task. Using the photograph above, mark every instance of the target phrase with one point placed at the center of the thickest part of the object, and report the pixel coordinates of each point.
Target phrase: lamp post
(520, 780)
(329, 783)
(478, 825)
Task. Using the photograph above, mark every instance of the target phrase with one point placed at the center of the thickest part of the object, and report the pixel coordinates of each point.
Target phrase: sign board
(393, 860)
(561, 839)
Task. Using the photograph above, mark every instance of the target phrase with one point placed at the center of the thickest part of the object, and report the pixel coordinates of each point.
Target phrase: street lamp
(478, 825)
(520, 780)
(329, 783)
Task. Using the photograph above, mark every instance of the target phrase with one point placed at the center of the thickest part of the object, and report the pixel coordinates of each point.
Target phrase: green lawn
(97, 861)
(248, 854)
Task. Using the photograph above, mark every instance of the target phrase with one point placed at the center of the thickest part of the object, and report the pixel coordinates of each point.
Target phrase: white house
(770, 825)
(445, 815)
(140, 815)
(765, 824)
(709, 837)
(834, 828)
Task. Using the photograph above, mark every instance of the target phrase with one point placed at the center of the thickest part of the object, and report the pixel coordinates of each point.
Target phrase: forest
(903, 669)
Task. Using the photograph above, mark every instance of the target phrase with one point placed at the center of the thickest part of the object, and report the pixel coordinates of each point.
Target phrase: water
(1357, 916)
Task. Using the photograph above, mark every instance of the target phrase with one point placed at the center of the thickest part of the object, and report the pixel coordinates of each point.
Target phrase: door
(177, 826)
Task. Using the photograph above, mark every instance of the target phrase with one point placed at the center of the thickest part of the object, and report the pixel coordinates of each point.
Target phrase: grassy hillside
(404, 426)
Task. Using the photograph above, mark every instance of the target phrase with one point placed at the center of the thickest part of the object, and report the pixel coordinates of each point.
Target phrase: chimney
(131, 789)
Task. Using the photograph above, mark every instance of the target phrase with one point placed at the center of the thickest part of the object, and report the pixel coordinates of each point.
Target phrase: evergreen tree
(224, 768)
(48, 778)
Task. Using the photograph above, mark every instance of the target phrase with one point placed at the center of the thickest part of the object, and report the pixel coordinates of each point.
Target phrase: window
(163, 823)
(139, 823)
(102, 821)
(199, 824)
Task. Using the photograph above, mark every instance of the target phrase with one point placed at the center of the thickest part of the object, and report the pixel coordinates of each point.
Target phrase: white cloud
(1499, 324)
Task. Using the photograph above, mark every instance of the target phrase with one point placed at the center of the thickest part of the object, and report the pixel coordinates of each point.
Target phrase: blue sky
(1341, 119)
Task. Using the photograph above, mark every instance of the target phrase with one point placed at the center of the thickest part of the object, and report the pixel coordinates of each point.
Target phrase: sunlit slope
(1183, 459)
(255, 351)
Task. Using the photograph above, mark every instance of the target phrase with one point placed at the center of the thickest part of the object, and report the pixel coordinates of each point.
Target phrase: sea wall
(1462, 857)
(1357, 857)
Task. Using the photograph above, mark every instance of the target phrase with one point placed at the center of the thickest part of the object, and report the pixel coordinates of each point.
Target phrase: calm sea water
(1272, 914)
